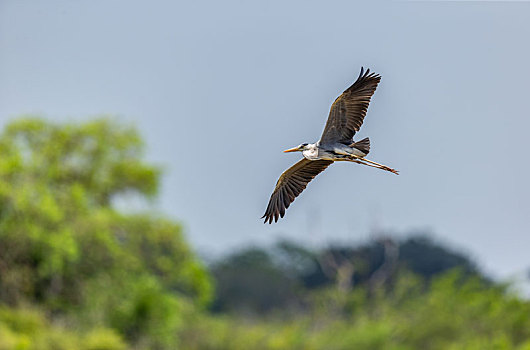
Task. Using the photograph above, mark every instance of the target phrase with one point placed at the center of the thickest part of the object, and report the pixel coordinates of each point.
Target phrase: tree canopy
(65, 246)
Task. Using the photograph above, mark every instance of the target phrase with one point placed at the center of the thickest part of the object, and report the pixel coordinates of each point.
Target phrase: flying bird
(336, 144)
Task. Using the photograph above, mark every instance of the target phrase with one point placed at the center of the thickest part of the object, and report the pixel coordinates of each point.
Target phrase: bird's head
(298, 148)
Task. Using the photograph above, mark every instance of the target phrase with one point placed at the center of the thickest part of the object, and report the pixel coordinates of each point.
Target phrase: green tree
(65, 246)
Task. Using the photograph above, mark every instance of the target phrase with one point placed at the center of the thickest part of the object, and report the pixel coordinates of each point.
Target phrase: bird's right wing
(347, 112)
(290, 184)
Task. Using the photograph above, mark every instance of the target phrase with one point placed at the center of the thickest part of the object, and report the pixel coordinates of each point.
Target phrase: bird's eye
(304, 144)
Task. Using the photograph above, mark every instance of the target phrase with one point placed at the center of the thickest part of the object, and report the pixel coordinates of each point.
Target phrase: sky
(219, 88)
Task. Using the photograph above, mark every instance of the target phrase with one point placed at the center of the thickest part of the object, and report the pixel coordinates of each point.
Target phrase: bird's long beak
(294, 149)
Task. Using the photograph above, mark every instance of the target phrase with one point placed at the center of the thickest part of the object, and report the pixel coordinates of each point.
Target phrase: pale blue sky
(220, 88)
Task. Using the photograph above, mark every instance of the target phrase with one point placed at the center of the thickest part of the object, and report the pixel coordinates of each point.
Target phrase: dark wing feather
(290, 184)
(347, 112)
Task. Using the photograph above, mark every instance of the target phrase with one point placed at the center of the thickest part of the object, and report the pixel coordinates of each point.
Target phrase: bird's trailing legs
(373, 164)
(384, 167)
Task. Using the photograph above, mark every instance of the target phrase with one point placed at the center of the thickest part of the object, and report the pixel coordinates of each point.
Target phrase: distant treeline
(257, 280)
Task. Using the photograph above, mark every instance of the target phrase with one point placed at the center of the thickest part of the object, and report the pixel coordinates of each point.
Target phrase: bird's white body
(313, 151)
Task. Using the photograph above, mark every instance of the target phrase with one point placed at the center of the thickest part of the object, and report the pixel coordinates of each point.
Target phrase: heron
(336, 144)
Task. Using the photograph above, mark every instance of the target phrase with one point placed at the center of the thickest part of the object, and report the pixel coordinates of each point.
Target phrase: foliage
(66, 248)
(455, 312)
(266, 279)
(250, 281)
(28, 329)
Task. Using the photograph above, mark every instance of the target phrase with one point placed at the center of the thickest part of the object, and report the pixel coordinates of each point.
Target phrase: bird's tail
(363, 145)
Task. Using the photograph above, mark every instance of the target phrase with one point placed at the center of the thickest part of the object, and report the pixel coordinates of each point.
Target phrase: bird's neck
(311, 151)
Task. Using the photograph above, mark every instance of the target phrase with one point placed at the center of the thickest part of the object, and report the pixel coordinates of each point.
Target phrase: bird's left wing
(290, 184)
(347, 112)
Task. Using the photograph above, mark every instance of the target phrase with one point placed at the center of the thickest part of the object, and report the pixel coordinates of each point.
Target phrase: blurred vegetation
(453, 312)
(76, 273)
(113, 278)
(261, 280)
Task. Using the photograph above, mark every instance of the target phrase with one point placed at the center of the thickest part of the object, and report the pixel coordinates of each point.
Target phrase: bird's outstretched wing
(347, 112)
(290, 184)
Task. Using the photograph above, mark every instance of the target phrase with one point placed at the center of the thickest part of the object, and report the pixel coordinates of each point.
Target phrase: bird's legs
(370, 161)
(373, 164)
